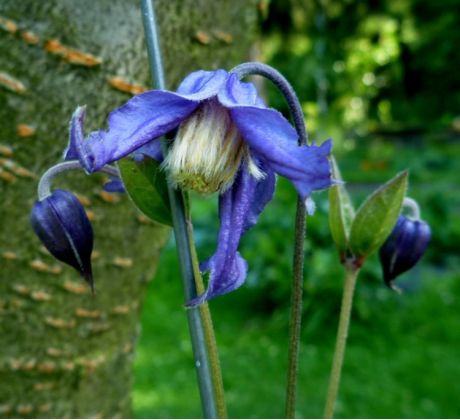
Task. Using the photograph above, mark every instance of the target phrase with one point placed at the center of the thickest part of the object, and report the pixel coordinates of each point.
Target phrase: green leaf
(147, 186)
(341, 211)
(377, 216)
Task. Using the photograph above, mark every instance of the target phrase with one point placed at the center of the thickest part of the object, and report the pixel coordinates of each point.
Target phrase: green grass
(402, 362)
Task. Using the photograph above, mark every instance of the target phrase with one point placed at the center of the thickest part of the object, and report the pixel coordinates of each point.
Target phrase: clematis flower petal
(237, 93)
(141, 120)
(77, 147)
(227, 269)
(263, 194)
(63, 227)
(404, 247)
(273, 140)
(202, 84)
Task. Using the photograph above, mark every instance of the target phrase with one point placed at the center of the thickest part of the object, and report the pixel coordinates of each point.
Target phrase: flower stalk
(351, 274)
(44, 185)
(200, 324)
(295, 323)
(413, 207)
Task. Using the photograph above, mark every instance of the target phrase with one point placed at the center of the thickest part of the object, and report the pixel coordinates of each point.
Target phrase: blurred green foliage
(367, 66)
(381, 78)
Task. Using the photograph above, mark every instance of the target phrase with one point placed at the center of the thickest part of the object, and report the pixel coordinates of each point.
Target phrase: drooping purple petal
(237, 93)
(61, 223)
(227, 269)
(274, 141)
(77, 147)
(142, 119)
(404, 247)
(263, 194)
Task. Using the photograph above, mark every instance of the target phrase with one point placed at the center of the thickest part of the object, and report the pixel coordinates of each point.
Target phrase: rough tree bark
(65, 353)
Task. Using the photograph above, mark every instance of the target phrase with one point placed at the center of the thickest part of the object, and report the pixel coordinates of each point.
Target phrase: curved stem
(295, 322)
(413, 206)
(44, 185)
(351, 274)
(200, 325)
(260, 69)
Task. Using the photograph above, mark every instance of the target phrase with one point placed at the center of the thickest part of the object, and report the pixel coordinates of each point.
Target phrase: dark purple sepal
(115, 185)
(404, 247)
(262, 194)
(151, 150)
(61, 223)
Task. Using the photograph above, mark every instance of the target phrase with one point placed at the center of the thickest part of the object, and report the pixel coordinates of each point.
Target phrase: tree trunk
(66, 353)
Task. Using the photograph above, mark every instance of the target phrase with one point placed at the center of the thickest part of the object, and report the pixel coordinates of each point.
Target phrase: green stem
(296, 310)
(200, 328)
(211, 342)
(351, 274)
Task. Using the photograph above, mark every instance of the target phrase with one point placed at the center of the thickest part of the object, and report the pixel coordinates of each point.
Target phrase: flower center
(207, 150)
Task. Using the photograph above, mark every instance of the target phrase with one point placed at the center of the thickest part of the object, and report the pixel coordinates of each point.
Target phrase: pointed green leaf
(341, 211)
(377, 216)
(147, 186)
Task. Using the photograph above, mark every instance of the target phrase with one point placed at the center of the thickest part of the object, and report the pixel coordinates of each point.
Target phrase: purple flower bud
(404, 247)
(60, 222)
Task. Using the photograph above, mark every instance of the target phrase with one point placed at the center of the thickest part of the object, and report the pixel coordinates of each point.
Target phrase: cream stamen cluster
(207, 151)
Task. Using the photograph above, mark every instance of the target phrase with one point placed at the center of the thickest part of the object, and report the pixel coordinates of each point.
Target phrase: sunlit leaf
(377, 216)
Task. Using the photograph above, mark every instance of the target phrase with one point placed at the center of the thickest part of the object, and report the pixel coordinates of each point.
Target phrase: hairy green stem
(200, 327)
(351, 274)
(296, 310)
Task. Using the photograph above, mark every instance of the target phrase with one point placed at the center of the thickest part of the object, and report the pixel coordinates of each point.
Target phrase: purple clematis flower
(227, 141)
(404, 247)
(61, 223)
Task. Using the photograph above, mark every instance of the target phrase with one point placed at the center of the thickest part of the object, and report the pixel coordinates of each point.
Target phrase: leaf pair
(359, 234)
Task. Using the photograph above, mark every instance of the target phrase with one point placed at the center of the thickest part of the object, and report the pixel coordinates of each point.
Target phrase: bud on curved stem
(404, 248)
(44, 185)
(60, 221)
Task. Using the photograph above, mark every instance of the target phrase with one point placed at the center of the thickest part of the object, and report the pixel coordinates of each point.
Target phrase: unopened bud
(404, 247)
(60, 222)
